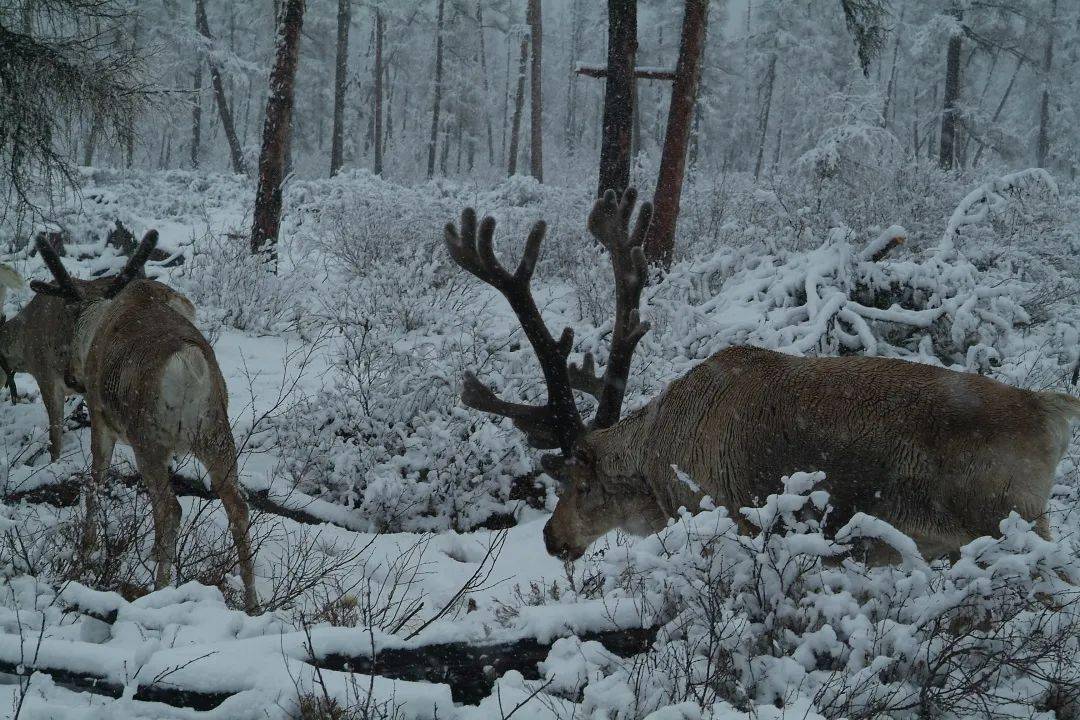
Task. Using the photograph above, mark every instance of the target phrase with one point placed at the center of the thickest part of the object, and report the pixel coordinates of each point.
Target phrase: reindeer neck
(620, 449)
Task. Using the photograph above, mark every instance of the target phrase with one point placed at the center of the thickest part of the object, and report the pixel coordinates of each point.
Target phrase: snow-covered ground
(343, 373)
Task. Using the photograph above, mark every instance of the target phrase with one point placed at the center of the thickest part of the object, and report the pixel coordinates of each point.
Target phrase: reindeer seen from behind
(941, 455)
(151, 381)
(38, 341)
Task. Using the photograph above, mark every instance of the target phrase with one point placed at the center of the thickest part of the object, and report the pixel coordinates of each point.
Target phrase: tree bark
(519, 103)
(618, 97)
(438, 91)
(235, 153)
(196, 116)
(536, 105)
(1043, 146)
(660, 241)
(378, 86)
(947, 155)
(341, 78)
(279, 105)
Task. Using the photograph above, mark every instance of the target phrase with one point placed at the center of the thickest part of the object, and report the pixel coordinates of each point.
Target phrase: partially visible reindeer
(38, 340)
(941, 455)
(151, 381)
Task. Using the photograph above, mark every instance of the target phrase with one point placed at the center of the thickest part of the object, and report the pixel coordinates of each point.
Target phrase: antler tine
(64, 285)
(134, 264)
(475, 252)
(527, 265)
(533, 420)
(584, 378)
(609, 222)
(558, 423)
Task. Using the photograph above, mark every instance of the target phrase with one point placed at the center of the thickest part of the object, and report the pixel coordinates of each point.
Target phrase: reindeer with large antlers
(942, 455)
(151, 381)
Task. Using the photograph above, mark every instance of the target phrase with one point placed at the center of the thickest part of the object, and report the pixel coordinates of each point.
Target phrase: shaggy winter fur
(942, 455)
(152, 382)
(38, 341)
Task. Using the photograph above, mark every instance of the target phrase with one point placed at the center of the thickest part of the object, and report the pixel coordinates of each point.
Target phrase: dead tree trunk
(341, 77)
(770, 83)
(947, 155)
(196, 116)
(519, 103)
(1043, 147)
(235, 153)
(378, 87)
(618, 97)
(660, 241)
(536, 105)
(279, 104)
(438, 91)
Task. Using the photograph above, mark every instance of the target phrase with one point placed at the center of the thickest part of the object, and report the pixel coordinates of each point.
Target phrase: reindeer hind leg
(218, 453)
(153, 465)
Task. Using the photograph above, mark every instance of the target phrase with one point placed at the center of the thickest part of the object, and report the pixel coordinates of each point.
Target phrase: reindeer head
(78, 294)
(586, 509)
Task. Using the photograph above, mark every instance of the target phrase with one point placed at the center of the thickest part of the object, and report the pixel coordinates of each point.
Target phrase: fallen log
(471, 670)
(66, 494)
(98, 685)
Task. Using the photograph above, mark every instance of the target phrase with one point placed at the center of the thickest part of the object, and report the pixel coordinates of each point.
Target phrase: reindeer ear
(554, 465)
(584, 455)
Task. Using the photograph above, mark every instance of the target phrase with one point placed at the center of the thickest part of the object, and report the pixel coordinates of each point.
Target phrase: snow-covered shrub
(857, 150)
(787, 617)
(854, 296)
(234, 288)
(390, 438)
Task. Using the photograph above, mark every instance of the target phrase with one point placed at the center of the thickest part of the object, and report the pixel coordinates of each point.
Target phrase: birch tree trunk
(660, 241)
(275, 140)
(341, 78)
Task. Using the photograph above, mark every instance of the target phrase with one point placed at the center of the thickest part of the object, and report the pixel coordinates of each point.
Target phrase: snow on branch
(990, 198)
